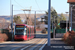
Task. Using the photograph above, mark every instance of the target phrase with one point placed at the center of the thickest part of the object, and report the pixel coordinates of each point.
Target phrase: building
(63, 24)
(72, 4)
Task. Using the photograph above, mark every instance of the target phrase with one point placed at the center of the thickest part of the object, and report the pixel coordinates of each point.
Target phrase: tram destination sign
(19, 26)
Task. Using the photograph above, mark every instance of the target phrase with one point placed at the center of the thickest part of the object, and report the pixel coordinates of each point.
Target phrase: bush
(69, 38)
(3, 37)
(9, 35)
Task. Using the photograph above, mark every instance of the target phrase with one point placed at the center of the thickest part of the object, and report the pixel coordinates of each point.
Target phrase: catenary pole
(71, 20)
(52, 25)
(54, 28)
(35, 24)
(66, 22)
(12, 23)
(10, 10)
(49, 22)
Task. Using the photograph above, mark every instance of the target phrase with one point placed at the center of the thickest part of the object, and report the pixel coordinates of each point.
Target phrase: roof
(71, 1)
(21, 24)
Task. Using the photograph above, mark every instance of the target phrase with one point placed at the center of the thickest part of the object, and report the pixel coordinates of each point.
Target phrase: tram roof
(71, 1)
(25, 25)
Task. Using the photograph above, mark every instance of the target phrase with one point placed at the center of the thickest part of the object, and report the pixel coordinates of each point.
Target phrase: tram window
(32, 30)
(28, 31)
(19, 31)
(25, 30)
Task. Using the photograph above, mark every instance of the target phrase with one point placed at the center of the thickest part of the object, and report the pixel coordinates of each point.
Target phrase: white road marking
(26, 47)
(43, 46)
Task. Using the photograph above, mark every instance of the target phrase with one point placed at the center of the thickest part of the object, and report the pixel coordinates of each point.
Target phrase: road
(33, 44)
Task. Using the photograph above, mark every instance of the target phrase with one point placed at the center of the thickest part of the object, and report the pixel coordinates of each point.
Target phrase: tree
(62, 17)
(53, 14)
(58, 27)
(17, 20)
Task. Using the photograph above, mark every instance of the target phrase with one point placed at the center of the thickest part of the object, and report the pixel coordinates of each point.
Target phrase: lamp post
(66, 21)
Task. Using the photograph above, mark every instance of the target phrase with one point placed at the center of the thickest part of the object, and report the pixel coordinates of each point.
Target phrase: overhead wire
(25, 14)
(37, 4)
(18, 4)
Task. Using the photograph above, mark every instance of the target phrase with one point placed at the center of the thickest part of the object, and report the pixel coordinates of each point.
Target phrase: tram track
(26, 44)
(37, 46)
(33, 46)
(30, 44)
(11, 45)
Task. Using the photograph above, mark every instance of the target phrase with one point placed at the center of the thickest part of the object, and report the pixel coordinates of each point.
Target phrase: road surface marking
(43, 46)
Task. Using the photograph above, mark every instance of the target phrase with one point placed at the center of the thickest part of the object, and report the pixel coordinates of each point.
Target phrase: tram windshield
(19, 30)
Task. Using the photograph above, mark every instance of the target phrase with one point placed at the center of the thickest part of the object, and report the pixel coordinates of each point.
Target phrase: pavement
(58, 44)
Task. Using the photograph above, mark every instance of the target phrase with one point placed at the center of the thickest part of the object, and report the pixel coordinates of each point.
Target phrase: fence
(4, 30)
(62, 30)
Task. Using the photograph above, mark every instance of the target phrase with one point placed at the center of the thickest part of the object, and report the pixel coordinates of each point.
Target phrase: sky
(61, 6)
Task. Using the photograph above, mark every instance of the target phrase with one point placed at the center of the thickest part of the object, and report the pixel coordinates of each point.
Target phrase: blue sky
(61, 6)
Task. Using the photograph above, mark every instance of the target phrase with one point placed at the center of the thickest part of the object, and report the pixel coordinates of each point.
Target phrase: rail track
(33, 44)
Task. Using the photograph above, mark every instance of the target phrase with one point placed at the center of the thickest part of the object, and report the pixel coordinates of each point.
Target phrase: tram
(23, 32)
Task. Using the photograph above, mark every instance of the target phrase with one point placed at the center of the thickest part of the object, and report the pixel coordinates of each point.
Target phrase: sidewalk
(58, 44)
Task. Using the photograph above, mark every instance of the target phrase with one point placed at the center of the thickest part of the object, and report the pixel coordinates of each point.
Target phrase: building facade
(72, 5)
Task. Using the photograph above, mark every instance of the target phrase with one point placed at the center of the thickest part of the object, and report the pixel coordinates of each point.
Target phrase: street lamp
(66, 21)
